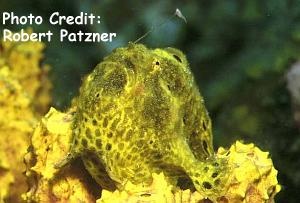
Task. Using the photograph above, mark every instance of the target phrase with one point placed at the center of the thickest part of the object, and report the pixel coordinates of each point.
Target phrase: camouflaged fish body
(140, 112)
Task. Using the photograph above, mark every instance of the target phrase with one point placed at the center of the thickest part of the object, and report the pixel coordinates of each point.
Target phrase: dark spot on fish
(129, 134)
(217, 182)
(88, 133)
(118, 155)
(214, 175)
(157, 155)
(215, 164)
(108, 146)
(105, 122)
(207, 185)
(109, 135)
(84, 143)
(98, 143)
(95, 122)
(97, 132)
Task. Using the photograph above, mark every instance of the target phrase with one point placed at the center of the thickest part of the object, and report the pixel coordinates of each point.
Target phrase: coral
(24, 95)
(49, 142)
(253, 177)
(16, 124)
(25, 58)
(159, 191)
(6, 177)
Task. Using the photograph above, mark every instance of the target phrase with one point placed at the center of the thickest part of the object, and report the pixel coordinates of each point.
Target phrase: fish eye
(177, 58)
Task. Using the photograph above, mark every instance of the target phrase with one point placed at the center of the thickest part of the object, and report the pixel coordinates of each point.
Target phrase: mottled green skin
(140, 112)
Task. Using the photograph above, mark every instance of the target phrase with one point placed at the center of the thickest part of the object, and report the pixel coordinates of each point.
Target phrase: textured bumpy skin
(140, 112)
